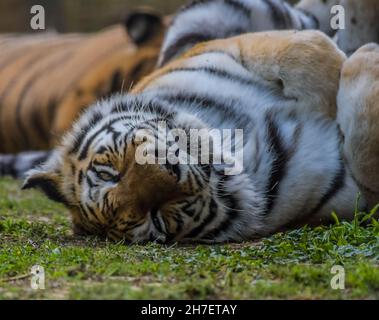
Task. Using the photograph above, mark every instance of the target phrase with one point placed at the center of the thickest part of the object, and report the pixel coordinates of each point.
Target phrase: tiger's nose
(147, 186)
(144, 187)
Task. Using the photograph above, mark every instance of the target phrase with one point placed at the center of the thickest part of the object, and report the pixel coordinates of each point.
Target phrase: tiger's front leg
(358, 117)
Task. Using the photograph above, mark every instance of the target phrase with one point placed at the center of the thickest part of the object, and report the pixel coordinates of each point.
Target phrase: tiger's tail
(16, 165)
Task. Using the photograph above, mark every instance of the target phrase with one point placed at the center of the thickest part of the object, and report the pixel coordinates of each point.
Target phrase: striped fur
(47, 80)
(17, 165)
(321, 10)
(293, 168)
(42, 116)
(204, 20)
(361, 21)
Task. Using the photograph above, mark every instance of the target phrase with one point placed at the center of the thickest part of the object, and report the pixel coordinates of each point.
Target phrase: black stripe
(14, 54)
(336, 185)
(287, 15)
(179, 226)
(51, 109)
(232, 3)
(359, 183)
(107, 127)
(43, 157)
(279, 14)
(211, 216)
(188, 207)
(193, 4)
(91, 211)
(302, 23)
(231, 215)
(7, 89)
(9, 86)
(204, 102)
(149, 107)
(198, 175)
(117, 80)
(33, 79)
(188, 40)
(31, 61)
(279, 163)
(175, 169)
(225, 53)
(190, 182)
(90, 183)
(7, 165)
(95, 118)
(309, 15)
(139, 106)
(83, 212)
(80, 177)
(37, 123)
(221, 74)
(13, 58)
(227, 198)
(236, 5)
(81, 73)
(83, 154)
(48, 187)
(232, 208)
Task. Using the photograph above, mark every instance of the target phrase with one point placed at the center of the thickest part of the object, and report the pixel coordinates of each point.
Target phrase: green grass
(294, 265)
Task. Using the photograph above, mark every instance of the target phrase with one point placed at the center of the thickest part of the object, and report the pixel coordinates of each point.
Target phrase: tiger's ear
(144, 26)
(48, 179)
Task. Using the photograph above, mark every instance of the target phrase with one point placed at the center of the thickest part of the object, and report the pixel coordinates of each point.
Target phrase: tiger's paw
(358, 118)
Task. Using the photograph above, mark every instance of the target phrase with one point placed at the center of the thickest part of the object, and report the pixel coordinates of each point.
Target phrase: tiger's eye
(106, 176)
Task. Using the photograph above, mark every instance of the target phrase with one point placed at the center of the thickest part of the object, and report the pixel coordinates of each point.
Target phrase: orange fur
(358, 114)
(45, 83)
(305, 65)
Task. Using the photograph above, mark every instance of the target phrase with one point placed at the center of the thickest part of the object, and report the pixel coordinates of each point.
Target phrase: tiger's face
(97, 175)
(121, 199)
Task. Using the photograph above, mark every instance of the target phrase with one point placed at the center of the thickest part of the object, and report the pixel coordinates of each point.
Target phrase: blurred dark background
(76, 15)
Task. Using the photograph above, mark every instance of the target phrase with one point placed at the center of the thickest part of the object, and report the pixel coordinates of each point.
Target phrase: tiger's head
(110, 193)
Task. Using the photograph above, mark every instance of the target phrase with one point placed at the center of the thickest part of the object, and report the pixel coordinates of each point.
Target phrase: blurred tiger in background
(205, 20)
(47, 80)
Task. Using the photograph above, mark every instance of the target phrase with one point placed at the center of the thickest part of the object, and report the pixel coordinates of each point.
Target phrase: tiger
(46, 80)
(194, 23)
(357, 117)
(294, 170)
(204, 20)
